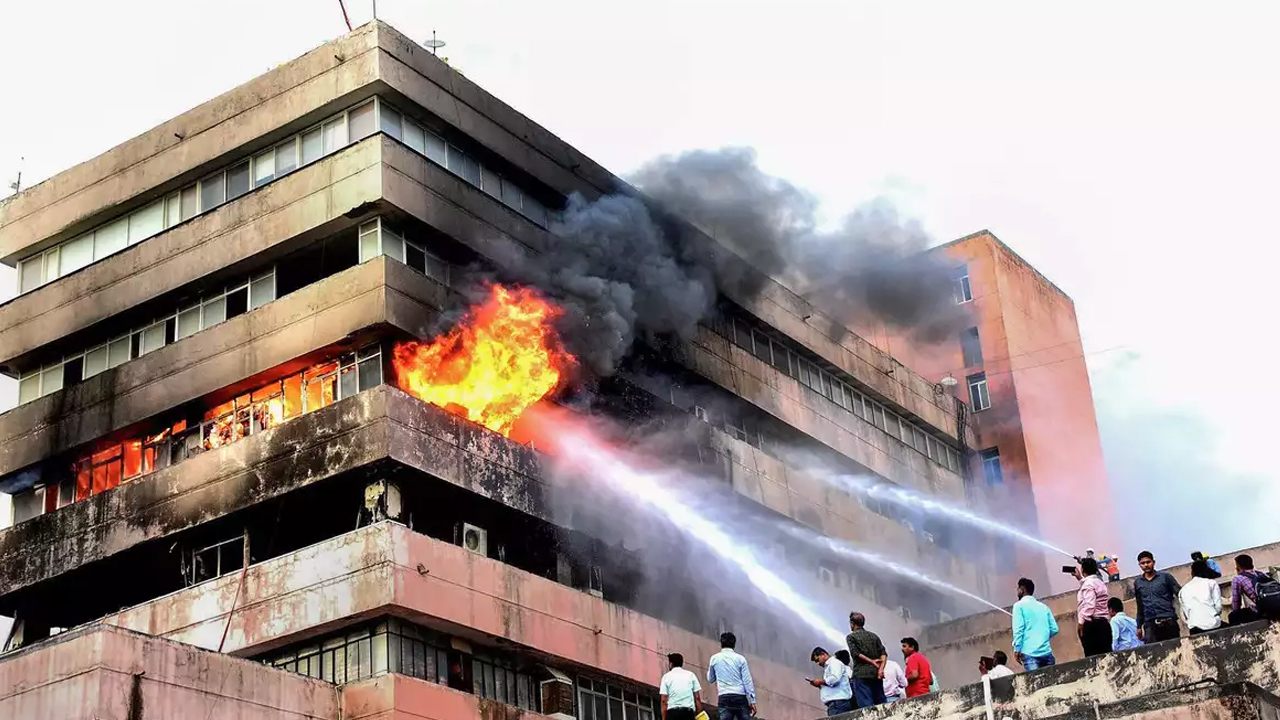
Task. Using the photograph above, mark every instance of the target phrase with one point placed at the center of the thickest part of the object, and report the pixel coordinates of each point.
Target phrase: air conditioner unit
(700, 413)
(475, 539)
(557, 695)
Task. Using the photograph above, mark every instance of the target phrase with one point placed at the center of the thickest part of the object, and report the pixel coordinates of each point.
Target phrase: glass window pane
(362, 121)
(111, 238)
(335, 135)
(471, 170)
(51, 264)
(312, 146)
(457, 159)
(190, 202)
(212, 192)
(119, 351)
(32, 273)
(436, 151)
(214, 312)
(370, 373)
(76, 254)
(511, 195)
(391, 123)
(262, 290)
(95, 361)
(189, 322)
(415, 258)
(29, 388)
(172, 210)
(490, 182)
(392, 244)
(535, 211)
(146, 222)
(238, 180)
(370, 242)
(414, 136)
(152, 338)
(379, 653)
(347, 382)
(264, 167)
(286, 156)
(52, 380)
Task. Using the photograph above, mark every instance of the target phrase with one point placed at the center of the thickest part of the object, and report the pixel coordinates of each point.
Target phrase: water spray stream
(849, 552)
(579, 450)
(905, 498)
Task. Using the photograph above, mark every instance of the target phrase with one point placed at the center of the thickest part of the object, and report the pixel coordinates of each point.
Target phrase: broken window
(214, 560)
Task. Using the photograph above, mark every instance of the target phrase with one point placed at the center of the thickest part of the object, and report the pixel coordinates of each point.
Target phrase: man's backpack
(1267, 592)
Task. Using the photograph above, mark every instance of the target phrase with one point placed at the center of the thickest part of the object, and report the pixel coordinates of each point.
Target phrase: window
(392, 123)
(960, 284)
(312, 146)
(971, 347)
(212, 192)
(598, 700)
(262, 289)
(264, 168)
(979, 397)
(362, 121)
(146, 222)
(991, 467)
(111, 238)
(238, 180)
(335, 135)
(286, 156)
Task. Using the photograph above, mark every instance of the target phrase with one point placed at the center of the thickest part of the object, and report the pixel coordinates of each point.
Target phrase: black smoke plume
(623, 271)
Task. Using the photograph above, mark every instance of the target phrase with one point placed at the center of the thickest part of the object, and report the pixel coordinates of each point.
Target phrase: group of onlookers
(861, 675)
(1103, 626)
(864, 676)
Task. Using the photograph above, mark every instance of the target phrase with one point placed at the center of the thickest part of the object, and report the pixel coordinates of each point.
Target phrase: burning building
(269, 407)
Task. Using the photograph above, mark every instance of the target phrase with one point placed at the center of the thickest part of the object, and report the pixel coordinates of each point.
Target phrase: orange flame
(503, 357)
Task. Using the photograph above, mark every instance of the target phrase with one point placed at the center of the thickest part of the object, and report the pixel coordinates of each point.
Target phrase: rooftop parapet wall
(1250, 653)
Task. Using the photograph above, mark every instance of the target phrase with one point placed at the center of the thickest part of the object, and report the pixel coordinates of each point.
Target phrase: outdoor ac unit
(557, 695)
(475, 539)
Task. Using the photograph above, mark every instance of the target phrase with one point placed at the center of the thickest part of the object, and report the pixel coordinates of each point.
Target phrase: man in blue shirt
(1033, 627)
(1124, 629)
(735, 692)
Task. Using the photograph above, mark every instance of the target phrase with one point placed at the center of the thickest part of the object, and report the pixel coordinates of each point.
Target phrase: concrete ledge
(107, 672)
(1250, 653)
(374, 571)
(179, 150)
(288, 330)
(307, 204)
(400, 697)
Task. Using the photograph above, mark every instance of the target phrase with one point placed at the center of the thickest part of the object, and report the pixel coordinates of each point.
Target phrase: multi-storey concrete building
(210, 448)
(1021, 367)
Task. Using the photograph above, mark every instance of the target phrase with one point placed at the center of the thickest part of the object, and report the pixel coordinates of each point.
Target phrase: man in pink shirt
(1093, 623)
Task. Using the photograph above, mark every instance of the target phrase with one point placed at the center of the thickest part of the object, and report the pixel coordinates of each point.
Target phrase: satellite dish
(433, 44)
(948, 382)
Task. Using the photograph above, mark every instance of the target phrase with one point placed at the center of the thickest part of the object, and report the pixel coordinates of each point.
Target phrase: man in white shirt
(833, 687)
(999, 666)
(895, 681)
(680, 691)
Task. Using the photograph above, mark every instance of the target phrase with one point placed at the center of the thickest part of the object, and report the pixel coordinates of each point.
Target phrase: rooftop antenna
(433, 44)
(16, 185)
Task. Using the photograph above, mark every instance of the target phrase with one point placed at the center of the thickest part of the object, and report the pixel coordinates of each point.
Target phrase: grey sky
(1127, 150)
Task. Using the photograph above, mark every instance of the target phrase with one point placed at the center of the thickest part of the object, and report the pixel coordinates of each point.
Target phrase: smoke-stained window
(979, 396)
(960, 285)
(971, 347)
(598, 700)
(991, 467)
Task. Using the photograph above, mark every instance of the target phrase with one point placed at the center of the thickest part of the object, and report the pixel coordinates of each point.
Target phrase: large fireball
(501, 358)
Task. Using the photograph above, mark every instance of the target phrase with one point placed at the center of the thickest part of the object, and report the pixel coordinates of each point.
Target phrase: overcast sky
(1127, 150)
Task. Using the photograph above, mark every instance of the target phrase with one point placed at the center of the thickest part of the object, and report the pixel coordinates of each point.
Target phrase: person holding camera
(1093, 620)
